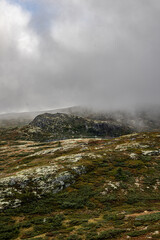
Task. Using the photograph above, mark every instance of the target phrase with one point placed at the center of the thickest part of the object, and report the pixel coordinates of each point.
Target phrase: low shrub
(75, 199)
(50, 224)
(121, 175)
(137, 233)
(74, 237)
(91, 236)
(134, 197)
(8, 232)
(75, 222)
(113, 217)
(149, 217)
(109, 234)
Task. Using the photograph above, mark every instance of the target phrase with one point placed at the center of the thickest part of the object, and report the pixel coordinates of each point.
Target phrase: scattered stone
(156, 233)
(133, 156)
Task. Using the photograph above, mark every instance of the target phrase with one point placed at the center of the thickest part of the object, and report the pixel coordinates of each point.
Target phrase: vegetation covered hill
(81, 188)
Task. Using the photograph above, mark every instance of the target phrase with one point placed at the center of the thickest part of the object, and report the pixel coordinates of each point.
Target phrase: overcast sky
(59, 53)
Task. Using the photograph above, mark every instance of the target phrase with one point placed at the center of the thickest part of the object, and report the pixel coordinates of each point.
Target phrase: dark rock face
(62, 126)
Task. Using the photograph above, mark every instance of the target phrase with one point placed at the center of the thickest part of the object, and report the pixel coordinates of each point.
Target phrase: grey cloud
(86, 52)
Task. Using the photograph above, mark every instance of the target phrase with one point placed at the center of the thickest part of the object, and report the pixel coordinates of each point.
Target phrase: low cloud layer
(58, 53)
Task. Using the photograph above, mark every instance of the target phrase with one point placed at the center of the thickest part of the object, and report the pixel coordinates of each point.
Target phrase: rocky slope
(61, 126)
(81, 188)
(47, 127)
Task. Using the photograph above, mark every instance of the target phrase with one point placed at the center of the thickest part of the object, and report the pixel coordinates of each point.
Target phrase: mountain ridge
(144, 119)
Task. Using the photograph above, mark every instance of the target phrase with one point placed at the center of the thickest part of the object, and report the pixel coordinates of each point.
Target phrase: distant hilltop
(62, 126)
(48, 127)
(141, 120)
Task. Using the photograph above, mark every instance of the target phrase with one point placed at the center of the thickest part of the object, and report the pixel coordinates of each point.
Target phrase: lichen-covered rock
(151, 152)
(40, 180)
(130, 145)
(62, 126)
(133, 156)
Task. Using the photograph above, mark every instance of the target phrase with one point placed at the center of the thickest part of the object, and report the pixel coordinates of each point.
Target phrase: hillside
(49, 127)
(81, 188)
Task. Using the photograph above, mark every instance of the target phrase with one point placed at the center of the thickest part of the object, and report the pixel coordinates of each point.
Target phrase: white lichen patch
(73, 158)
(151, 152)
(110, 186)
(129, 145)
(133, 156)
(44, 152)
(38, 180)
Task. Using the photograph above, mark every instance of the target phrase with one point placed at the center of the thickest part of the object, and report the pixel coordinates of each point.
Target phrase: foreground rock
(37, 181)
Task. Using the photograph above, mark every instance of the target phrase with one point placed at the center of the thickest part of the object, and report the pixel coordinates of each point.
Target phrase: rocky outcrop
(61, 126)
(38, 181)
